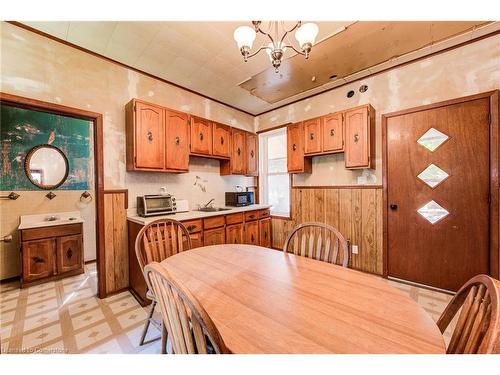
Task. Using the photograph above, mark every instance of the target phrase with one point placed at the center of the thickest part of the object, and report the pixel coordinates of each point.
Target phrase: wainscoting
(355, 211)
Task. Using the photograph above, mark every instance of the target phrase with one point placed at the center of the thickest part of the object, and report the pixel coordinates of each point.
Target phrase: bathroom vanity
(51, 247)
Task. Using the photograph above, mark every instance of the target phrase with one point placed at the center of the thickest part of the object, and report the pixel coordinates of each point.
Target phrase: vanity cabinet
(360, 141)
(221, 145)
(312, 136)
(51, 252)
(201, 136)
(295, 150)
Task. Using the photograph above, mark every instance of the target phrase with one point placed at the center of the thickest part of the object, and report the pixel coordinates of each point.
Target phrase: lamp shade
(306, 33)
(244, 36)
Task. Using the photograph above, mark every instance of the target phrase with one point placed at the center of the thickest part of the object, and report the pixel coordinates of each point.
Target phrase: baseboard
(10, 279)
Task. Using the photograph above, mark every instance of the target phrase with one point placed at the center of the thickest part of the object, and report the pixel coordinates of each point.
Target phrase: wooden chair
(478, 325)
(154, 243)
(190, 328)
(314, 240)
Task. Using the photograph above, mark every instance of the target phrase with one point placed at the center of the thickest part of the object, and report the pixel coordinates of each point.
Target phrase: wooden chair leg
(164, 336)
(148, 322)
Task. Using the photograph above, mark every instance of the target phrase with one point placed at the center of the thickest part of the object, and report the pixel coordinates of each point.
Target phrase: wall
(463, 71)
(39, 68)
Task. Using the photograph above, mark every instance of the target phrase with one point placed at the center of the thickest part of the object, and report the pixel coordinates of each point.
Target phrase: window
(275, 180)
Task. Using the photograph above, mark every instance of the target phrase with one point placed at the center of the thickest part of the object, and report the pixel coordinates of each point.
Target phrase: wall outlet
(355, 249)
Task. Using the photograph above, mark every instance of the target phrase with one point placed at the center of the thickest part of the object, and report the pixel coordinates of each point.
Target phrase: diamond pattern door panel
(433, 175)
(432, 139)
(432, 212)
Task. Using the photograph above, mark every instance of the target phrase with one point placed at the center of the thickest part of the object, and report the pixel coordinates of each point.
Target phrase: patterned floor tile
(92, 336)
(41, 307)
(87, 318)
(82, 305)
(41, 336)
(130, 318)
(109, 347)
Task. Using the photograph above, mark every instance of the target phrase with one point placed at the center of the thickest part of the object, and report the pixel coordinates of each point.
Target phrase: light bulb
(244, 36)
(306, 35)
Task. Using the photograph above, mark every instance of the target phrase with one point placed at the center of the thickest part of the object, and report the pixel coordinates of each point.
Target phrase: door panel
(201, 136)
(38, 259)
(150, 137)
(312, 136)
(252, 233)
(234, 234)
(252, 152)
(265, 232)
(69, 253)
(295, 148)
(445, 251)
(177, 140)
(333, 133)
(214, 237)
(221, 140)
(238, 165)
(357, 152)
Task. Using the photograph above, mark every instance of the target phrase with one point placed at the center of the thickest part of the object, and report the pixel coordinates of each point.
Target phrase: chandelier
(304, 33)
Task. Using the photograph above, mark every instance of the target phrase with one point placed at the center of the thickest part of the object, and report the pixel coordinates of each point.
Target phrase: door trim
(494, 170)
(96, 118)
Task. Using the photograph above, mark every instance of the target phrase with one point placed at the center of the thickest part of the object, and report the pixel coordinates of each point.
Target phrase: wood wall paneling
(355, 212)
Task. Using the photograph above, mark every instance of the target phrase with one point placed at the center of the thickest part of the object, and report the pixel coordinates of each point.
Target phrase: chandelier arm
(295, 49)
(267, 34)
(256, 52)
(289, 31)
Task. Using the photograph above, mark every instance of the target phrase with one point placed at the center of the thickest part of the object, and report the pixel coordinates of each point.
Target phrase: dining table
(266, 301)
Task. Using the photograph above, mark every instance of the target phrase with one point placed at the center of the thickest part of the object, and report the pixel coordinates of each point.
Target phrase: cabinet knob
(251, 153)
(311, 136)
(69, 253)
(38, 259)
(294, 147)
(221, 140)
(393, 206)
(332, 132)
(190, 228)
(356, 138)
(150, 136)
(238, 151)
(201, 136)
(177, 140)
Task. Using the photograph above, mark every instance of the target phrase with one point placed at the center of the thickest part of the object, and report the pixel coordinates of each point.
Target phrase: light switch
(355, 249)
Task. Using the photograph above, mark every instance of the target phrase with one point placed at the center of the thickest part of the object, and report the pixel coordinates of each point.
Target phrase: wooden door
(221, 140)
(149, 136)
(238, 160)
(177, 141)
(312, 136)
(234, 233)
(295, 149)
(359, 138)
(252, 151)
(38, 259)
(214, 237)
(333, 133)
(437, 194)
(265, 232)
(201, 136)
(252, 233)
(69, 253)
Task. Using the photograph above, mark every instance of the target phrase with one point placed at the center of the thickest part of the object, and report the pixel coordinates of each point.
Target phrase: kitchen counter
(190, 215)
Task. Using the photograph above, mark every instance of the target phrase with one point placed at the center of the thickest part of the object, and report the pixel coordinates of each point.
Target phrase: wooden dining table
(266, 301)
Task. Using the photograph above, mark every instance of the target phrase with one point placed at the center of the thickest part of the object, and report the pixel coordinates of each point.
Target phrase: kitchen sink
(212, 209)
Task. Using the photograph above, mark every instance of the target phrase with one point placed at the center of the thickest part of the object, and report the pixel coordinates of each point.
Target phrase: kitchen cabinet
(251, 236)
(360, 141)
(194, 227)
(201, 136)
(295, 150)
(221, 140)
(177, 141)
(237, 164)
(265, 232)
(214, 237)
(312, 136)
(252, 152)
(333, 133)
(234, 233)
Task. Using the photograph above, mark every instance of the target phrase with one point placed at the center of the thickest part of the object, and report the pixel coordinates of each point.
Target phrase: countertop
(190, 215)
(41, 220)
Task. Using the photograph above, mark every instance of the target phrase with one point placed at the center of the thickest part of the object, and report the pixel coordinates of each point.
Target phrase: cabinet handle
(251, 153)
(221, 140)
(238, 151)
(190, 228)
(294, 147)
(150, 136)
(332, 132)
(69, 253)
(356, 138)
(177, 140)
(265, 235)
(311, 136)
(251, 217)
(201, 136)
(38, 259)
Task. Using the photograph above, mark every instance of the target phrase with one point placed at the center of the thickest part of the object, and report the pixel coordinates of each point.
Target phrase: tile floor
(65, 316)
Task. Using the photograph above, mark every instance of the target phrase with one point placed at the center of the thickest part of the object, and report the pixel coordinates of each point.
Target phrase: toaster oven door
(158, 204)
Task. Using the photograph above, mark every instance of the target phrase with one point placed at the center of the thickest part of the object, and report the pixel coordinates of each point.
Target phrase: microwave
(153, 205)
(239, 198)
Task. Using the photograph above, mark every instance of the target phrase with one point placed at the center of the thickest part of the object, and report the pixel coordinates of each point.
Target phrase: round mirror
(46, 167)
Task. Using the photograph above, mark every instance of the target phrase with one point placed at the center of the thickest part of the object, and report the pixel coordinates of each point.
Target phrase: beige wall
(36, 67)
(467, 70)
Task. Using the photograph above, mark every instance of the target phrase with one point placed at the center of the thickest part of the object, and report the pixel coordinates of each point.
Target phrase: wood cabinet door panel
(193, 226)
(38, 259)
(214, 222)
(295, 148)
(238, 164)
(357, 152)
(252, 233)
(312, 136)
(234, 233)
(196, 240)
(333, 133)
(149, 136)
(177, 140)
(252, 152)
(265, 232)
(201, 136)
(69, 253)
(221, 140)
(214, 237)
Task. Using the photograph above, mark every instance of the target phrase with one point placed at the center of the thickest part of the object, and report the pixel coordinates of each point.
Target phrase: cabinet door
(69, 253)
(252, 233)
(177, 140)
(234, 233)
(238, 165)
(214, 237)
(265, 232)
(295, 149)
(201, 136)
(196, 240)
(38, 259)
(358, 138)
(312, 136)
(252, 151)
(149, 136)
(333, 133)
(221, 140)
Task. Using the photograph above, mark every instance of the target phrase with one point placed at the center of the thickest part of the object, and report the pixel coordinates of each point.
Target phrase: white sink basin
(50, 219)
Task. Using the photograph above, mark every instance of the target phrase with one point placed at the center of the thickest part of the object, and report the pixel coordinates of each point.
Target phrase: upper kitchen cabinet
(333, 133)
(312, 136)
(359, 137)
(237, 164)
(201, 136)
(252, 154)
(177, 141)
(295, 150)
(221, 145)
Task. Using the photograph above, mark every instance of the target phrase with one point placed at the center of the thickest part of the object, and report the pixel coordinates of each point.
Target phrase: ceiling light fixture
(304, 33)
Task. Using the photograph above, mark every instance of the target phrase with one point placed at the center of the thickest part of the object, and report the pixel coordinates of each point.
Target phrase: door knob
(393, 206)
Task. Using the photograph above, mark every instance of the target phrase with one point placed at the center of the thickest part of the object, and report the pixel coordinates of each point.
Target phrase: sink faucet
(209, 203)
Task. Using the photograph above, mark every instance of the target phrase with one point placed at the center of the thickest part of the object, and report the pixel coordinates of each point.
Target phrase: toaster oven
(154, 205)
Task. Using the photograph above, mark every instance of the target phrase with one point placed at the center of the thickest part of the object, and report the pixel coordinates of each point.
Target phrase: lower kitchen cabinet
(265, 232)
(214, 237)
(196, 240)
(234, 233)
(252, 233)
